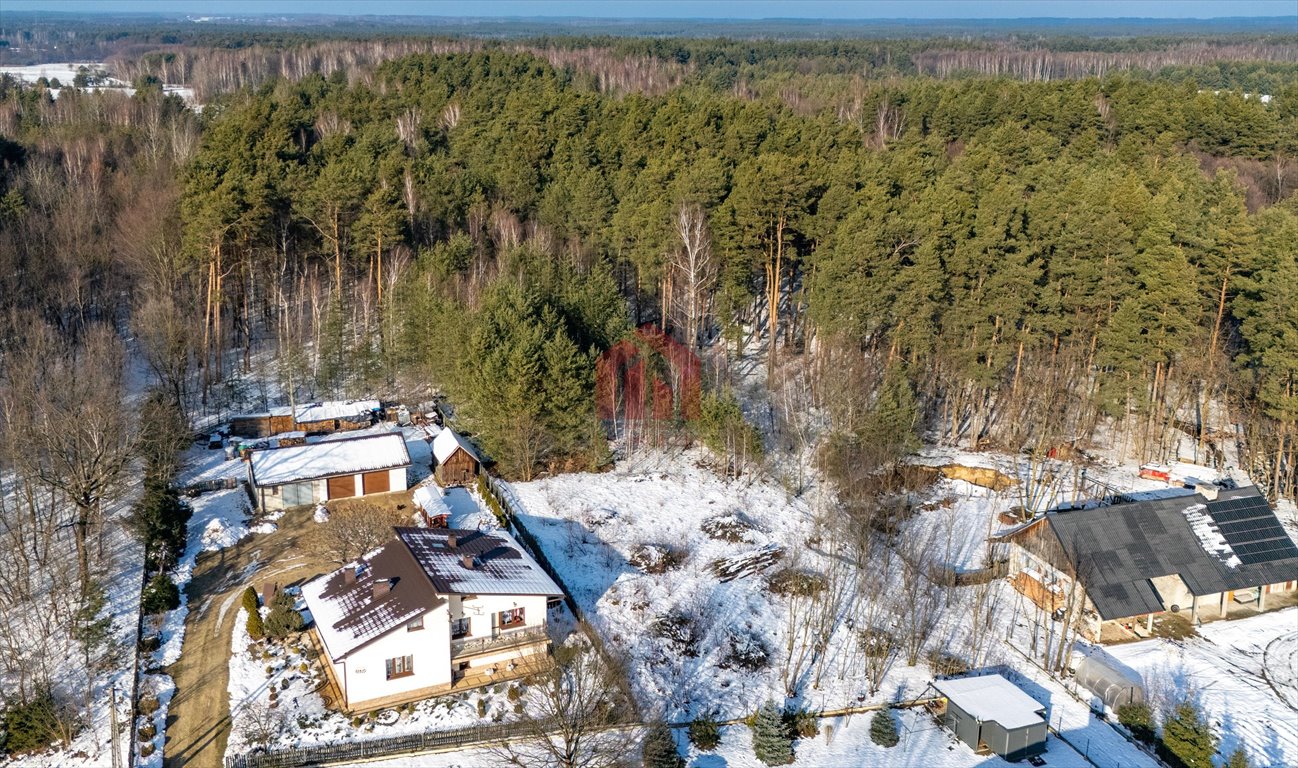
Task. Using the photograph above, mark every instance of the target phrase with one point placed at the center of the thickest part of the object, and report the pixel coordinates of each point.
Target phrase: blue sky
(717, 9)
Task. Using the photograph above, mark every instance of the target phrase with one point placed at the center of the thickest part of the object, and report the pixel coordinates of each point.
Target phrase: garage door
(297, 493)
(376, 482)
(342, 487)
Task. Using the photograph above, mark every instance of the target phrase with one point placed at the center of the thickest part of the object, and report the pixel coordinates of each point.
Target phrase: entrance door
(342, 487)
(296, 494)
(376, 482)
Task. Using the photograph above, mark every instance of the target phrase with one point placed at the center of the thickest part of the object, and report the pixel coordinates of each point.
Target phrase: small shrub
(745, 651)
(875, 643)
(729, 527)
(1238, 759)
(518, 708)
(791, 581)
(704, 732)
(146, 749)
(149, 643)
(482, 707)
(282, 619)
(32, 725)
(802, 723)
(515, 693)
(270, 670)
(283, 684)
(945, 663)
(256, 628)
(303, 667)
(659, 750)
(160, 595)
(677, 629)
(772, 742)
(1139, 720)
(883, 729)
(147, 732)
(250, 601)
(655, 558)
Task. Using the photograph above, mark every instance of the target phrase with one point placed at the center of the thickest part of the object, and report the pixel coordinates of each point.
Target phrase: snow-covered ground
(66, 72)
(93, 744)
(591, 524)
(843, 741)
(1244, 675)
(220, 519)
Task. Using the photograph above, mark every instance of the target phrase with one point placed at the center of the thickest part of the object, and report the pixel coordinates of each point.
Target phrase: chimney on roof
(1206, 490)
(451, 540)
(467, 562)
(382, 587)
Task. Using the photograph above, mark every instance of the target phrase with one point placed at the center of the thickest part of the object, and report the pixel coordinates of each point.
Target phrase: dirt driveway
(198, 721)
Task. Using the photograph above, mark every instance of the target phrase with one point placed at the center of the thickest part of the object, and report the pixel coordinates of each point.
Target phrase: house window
(401, 666)
(415, 624)
(512, 618)
(459, 627)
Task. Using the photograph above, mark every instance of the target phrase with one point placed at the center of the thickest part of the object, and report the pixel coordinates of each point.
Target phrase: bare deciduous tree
(65, 399)
(567, 711)
(693, 272)
(352, 531)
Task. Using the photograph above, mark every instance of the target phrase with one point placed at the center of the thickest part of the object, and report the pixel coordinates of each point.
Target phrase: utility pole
(112, 726)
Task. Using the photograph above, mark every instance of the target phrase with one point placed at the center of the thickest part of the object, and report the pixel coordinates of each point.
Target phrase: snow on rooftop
(500, 565)
(335, 409)
(993, 698)
(340, 457)
(429, 498)
(1209, 536)
(447, 441)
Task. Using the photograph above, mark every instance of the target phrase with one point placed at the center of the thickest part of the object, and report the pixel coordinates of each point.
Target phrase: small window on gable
(415, 624)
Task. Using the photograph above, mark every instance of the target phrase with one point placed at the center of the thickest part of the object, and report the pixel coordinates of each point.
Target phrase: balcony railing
(472, 645)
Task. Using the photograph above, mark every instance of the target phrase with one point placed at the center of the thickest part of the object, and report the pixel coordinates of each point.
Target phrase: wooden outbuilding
(457, 462)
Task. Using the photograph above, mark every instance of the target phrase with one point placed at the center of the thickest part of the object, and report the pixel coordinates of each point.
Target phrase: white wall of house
(483, 611)
(273, 497)
(397, 479)
(363, 674)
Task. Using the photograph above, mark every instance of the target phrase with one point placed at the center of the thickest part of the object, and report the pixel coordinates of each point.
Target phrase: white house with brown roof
(315, 472)
(437, 610)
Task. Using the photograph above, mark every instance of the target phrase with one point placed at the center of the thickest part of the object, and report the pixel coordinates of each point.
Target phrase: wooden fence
(370, 749)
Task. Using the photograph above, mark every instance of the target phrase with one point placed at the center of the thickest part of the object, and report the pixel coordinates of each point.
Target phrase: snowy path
(1239, 683)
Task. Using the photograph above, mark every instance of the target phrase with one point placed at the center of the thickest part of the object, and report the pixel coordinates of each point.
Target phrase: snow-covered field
(591, 524)
(1243, 673)
(66, 72)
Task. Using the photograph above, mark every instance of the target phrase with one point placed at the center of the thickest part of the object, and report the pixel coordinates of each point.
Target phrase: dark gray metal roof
(1117, 549)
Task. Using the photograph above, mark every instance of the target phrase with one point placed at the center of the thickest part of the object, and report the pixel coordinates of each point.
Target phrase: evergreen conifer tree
(772, 743)
(883, 729)
(1187, 739)
(660, 748)
(1238, 759)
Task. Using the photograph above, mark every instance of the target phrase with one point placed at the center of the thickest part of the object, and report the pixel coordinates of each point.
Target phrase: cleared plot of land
(1242, 673)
